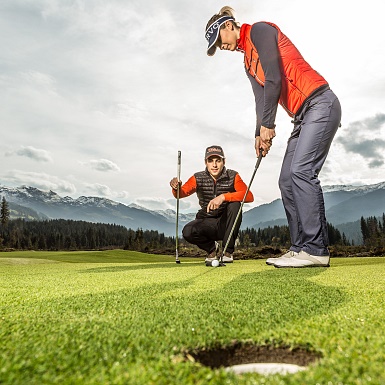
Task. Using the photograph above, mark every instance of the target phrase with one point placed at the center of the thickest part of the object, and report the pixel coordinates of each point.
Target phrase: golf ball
(215, 263)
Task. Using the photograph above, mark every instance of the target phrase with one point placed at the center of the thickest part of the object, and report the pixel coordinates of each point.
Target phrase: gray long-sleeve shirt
(265, 38)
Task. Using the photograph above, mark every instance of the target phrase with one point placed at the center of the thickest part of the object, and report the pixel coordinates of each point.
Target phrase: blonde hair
(224, 11)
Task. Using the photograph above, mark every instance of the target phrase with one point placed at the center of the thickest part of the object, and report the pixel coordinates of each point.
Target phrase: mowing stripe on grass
(130, 318)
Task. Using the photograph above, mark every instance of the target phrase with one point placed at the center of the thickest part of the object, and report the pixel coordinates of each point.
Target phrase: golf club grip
(242, 203)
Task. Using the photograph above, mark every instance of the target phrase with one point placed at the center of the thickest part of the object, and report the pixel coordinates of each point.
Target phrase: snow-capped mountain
(28, 194)
(169, 214)
(343, 203)
(49, 205)
(358, 189)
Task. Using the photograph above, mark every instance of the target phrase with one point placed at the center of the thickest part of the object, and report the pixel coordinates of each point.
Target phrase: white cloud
(185, 205)
(371, 147)
(104, 165)
(31, 153)
(105, 191)
(131, 81)
(38, 80)
(39, 180)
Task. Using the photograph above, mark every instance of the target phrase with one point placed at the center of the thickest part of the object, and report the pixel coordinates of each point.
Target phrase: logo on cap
(214, 150)
(212, 33)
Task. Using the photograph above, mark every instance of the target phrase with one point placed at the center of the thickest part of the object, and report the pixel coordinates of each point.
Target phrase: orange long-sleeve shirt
(240, 188)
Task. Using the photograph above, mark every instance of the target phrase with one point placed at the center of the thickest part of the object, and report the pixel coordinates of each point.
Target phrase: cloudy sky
(98, 96)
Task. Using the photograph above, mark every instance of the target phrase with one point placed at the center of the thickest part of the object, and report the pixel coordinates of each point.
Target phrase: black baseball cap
(214, 150)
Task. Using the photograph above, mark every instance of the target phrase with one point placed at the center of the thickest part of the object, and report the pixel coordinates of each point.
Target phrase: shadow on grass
(144, 266)
(273, 296)
(269, 297)
(156, 320)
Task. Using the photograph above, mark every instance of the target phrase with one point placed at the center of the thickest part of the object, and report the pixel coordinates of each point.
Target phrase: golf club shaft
(177, 207)
(242, 203)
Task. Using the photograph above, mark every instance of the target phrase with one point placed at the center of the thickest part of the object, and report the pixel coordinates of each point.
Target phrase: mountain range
(344, 204)
(34, 204)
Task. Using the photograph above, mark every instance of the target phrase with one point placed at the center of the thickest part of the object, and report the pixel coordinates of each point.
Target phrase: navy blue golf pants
(205, 231)
(301, 192)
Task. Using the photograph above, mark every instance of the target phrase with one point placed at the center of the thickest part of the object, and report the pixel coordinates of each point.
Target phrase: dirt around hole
(238, 353)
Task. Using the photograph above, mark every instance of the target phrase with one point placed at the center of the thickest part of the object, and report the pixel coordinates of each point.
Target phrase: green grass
(120, 317)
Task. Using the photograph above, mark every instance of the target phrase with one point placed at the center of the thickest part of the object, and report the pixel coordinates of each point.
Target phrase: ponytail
(224, 11)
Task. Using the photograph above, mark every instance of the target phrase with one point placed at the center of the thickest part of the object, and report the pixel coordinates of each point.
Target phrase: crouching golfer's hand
(174, 183)
(216, 202)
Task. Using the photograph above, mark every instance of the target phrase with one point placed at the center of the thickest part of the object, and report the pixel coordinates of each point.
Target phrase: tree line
(279, 236)
(373, 231)
(62, 234)
(65, 234)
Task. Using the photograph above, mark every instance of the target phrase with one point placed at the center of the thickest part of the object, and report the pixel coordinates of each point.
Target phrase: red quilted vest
(299, 80)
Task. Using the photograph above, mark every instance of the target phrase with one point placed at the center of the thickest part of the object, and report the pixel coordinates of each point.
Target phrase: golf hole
(245, 358)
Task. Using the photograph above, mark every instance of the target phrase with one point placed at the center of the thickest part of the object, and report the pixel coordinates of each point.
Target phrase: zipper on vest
(286, 109)
(290, 83)
(249, 67)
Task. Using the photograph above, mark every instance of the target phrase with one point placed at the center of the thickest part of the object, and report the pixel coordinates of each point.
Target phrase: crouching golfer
(220, 192)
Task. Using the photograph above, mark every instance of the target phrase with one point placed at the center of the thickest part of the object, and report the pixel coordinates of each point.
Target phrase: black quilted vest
(207, 189)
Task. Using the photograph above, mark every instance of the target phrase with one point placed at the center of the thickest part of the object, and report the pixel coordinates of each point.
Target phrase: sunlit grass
(120, 317)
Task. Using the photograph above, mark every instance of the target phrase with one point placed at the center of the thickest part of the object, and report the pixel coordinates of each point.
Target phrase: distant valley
(345, 205)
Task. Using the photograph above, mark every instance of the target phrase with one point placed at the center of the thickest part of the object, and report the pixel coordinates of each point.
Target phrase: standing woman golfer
(279, 75)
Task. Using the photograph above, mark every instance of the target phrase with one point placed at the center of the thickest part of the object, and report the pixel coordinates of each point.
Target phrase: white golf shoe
(303, 259)
(213, 255)
(228, 258)
(289, 254)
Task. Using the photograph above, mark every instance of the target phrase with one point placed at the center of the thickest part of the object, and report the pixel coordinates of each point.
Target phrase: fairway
(122, 317)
